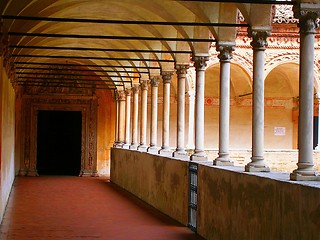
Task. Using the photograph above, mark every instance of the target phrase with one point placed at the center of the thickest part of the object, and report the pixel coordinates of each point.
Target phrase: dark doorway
(59, 143)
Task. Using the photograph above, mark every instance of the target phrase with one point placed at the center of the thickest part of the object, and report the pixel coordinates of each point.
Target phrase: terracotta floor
(50, 207)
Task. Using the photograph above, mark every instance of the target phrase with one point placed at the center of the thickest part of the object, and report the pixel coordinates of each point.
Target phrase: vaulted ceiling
(111, 44)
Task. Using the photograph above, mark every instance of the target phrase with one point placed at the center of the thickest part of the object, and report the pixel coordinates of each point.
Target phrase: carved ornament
(259, 39)
(166, 77)
(225, 54)
(200, 62)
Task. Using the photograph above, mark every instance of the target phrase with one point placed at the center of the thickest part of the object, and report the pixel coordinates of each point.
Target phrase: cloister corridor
(66, 207)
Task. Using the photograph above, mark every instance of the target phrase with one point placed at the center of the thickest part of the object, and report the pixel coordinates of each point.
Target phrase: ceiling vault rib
(91, 57)
(99, 49)
(124, 22)
(138, 38)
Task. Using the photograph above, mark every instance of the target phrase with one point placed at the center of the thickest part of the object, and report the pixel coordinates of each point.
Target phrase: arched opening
(281, 108)
(59, 142)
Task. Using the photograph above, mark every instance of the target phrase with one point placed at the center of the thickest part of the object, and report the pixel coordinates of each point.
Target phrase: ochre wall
(232, 204)
(237, 205)
(106, 130)
(161, 182)
(7, 137)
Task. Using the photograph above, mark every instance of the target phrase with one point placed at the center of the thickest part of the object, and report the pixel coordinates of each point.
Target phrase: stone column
(134, 144)
(154, 115)
(259, 44)
(224, 108)
(165, 148)
(128, 119)
(143, 120)
(117, 120)
(200, 65)
(122, 113)
(308, 24)
(180, 150)
(318, 130)
(190, 144)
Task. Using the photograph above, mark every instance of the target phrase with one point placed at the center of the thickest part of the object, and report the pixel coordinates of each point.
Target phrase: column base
(153, 150)
(142, 148)
(299, 177)
(118, 144)
(181, 155)
(33, 173)
(250, 168)
(199, 156)
(133, 147)
(222, 162)
(126, 146)
(165, 152)
(22, 172)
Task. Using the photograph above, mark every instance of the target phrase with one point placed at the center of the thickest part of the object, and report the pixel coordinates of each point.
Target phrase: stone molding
(225, 54)
(259, 39)
(200, 62)
(166, 77)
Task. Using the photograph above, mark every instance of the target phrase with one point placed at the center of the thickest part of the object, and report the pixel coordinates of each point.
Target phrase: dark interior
(59, 143)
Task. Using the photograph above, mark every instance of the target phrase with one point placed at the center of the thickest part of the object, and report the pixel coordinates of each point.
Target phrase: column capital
(259, 38)
(225, 50)
(154, 81)
(144, 85)
(166, 76)
(200, 62)
(121, 95)
(135, 88)
(128, 91)
(182, 68)
(307, 15)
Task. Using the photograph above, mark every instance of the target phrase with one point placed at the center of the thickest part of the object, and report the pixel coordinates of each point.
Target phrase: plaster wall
(232, 204)
(106, 130)
(237, 205)
(7, 138)
(161, 182)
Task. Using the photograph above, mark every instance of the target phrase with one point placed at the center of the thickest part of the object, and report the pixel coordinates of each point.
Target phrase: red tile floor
(62, 207)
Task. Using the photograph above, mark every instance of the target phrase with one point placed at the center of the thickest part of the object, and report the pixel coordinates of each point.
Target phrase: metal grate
(193, 185)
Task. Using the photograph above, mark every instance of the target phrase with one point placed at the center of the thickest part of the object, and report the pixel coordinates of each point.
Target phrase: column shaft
(305, 170)
(121, 126)
(134, 144)
(224, 107)
(190, 144)
(258, 43)
(165, 148)
(180, 150)
(199, 153)
(154, 116)
(143, 123)
(128, 119)
(116, 134)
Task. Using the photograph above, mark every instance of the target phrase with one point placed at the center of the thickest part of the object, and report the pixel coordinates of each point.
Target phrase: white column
(190, 144)
(318, 130)
(128, 118)
(180, 150)
(116, 134)
(308, 25)
(200, 65)
(154, 115)
(259, 43)
(122, 113)
(165, 148)
(224, 108)
(143, 120)
(134, 144)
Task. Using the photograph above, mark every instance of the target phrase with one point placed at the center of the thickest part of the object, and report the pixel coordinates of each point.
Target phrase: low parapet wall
(232, 204)
(160, 181)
